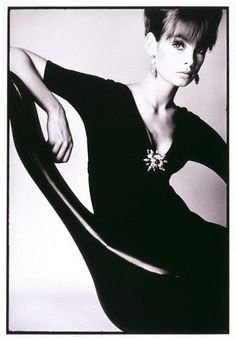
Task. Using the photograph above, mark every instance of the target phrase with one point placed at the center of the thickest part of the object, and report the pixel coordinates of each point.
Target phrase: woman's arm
(208, 148)
(30, 68)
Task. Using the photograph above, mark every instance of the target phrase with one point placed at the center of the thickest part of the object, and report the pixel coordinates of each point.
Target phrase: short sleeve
(83, 91)
(207, 147)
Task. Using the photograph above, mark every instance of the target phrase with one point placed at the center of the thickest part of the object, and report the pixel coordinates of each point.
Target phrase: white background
(46, 269)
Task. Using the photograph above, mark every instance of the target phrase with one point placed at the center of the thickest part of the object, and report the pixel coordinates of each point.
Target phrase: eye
(179, 45)
(200, 50)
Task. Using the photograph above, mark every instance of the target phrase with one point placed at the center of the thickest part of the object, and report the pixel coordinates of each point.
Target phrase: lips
(190, 74)
(186, 74)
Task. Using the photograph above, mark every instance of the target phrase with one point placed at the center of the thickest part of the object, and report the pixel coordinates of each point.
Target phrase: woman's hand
(30, 68)
(59, 135)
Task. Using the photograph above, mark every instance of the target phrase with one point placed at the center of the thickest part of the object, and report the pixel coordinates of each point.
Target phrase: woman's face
(178, 60)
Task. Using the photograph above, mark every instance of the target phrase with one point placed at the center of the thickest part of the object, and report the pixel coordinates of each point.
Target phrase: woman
(135, 146)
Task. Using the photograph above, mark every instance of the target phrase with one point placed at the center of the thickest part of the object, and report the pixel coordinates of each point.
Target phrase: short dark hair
(194, 23)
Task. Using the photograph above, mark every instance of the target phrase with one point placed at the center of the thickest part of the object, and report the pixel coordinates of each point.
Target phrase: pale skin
(177, 61)
(154, 97)
(30, 68)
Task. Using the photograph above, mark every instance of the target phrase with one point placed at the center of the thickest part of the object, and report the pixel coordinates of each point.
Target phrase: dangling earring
(153, 66)
(196, 78)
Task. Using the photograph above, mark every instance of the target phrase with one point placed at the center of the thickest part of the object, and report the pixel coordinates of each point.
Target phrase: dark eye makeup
(201, 50)
(179, 43)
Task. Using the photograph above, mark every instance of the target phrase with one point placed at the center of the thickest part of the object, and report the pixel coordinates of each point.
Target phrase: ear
(151, 44)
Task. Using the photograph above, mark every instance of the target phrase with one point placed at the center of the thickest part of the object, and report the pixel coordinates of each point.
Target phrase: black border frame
(9, 8)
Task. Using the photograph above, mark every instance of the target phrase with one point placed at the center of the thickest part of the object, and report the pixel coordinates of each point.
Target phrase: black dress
(137, 211)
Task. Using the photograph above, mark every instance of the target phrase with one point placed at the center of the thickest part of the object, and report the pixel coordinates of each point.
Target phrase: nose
(189, 58)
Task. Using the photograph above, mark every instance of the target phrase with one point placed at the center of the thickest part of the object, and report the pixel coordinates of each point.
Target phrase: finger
(67, 154)
(62, 151)
(56, 148)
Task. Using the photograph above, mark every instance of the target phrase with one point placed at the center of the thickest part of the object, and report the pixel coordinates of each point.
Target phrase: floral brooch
(155, 161)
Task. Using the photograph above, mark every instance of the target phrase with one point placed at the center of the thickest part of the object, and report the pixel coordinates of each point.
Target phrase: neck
(158, 93)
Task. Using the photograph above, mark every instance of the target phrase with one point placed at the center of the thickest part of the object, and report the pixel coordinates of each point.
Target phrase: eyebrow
(180, 36)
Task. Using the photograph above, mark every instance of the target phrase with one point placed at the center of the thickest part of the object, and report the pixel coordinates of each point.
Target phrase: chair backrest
(107, 265)
(37, 159)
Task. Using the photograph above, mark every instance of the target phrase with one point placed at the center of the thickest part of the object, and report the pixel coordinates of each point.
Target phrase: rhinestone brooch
(154, 160)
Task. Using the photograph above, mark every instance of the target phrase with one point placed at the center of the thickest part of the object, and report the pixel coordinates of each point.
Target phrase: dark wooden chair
(136, 300)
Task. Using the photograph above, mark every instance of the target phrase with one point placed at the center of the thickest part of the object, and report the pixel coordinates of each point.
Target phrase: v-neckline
(145, 129)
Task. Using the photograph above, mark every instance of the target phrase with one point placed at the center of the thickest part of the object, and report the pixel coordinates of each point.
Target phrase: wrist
(54, 107)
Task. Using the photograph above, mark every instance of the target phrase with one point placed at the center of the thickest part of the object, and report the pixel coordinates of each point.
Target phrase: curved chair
(135, 299)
